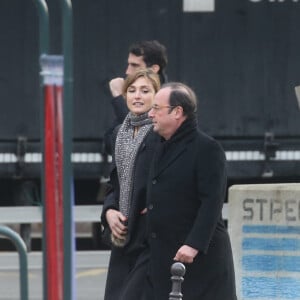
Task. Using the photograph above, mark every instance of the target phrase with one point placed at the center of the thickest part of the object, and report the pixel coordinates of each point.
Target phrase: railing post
(177, 271)
(42, 9)
(44, 38)
(69, 244)
(21, 247)
(52, 69)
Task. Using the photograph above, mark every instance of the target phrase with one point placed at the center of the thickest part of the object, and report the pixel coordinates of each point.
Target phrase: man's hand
(186, 254)
(116, 220)
(116, 86)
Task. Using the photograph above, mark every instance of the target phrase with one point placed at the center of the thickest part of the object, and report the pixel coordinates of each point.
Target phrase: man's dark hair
(154, 53)
(184, 96)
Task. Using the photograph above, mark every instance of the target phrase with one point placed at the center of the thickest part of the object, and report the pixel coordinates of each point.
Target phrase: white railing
(34, 214)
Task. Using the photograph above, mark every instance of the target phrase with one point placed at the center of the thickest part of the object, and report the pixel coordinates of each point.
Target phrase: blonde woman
(124, 210)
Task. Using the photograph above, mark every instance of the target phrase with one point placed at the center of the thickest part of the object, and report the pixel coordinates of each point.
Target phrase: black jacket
(185, 194)
(124, 260)
(120, 110)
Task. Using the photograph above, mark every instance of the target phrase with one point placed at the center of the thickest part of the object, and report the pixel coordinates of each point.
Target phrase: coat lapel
(164, 160)
(169, 151)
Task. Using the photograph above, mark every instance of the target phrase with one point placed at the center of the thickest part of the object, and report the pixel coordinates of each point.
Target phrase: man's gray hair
(182, 95)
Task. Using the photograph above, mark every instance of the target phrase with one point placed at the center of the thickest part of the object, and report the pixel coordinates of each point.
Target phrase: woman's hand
(116, 221)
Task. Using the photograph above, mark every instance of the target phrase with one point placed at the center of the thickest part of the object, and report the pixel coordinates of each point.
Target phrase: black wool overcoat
(129, 260)
(185, 194)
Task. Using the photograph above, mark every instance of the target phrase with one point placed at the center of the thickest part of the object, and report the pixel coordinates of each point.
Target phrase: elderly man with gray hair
(185, 194)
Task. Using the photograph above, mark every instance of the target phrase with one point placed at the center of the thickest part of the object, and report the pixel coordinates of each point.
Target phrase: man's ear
(178, 111)
(155, 68)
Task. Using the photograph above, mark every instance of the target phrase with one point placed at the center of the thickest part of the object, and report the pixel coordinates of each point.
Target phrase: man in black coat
(185, 195)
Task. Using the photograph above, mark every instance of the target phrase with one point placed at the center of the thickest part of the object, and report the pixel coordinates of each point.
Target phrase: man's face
(162, 115)
(134, 63)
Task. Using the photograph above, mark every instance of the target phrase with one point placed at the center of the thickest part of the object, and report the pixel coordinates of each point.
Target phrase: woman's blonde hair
(146, 73)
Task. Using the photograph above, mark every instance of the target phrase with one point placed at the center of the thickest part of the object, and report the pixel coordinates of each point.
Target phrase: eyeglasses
(156, 107)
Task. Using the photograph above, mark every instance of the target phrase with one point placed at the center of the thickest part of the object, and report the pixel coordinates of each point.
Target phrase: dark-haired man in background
(144, 54)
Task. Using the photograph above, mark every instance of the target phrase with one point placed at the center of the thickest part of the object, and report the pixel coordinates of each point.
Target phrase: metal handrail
(21, 247)
(43, 15)
(67, 29)
(44, 41)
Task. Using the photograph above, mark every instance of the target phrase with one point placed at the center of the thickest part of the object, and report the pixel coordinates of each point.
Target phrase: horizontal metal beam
(96, 157)
(33, 214)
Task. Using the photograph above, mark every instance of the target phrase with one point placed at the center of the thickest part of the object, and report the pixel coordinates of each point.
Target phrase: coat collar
(168, 151)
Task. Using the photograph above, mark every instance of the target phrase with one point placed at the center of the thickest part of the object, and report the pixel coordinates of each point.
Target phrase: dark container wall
(19, 111)
(243, 60)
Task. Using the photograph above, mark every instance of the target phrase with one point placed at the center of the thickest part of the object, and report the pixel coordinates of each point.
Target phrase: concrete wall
(264, 226)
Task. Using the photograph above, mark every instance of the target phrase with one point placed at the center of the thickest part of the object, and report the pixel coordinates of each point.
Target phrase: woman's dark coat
(186, 191)
(133, 257)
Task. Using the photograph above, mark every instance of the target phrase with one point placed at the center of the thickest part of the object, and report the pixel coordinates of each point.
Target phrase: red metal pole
(54, 279)
(53, 166)
(59, 177)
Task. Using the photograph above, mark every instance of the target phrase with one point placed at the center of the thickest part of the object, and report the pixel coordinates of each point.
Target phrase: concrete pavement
(91, 271)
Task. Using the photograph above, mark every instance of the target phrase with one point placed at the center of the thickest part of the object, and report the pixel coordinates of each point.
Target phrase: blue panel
(271, 263)
(274, 244)
(271, 288)
(271, 229)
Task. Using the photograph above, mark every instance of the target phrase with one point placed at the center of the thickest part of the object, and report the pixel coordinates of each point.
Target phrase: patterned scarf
(126, 150)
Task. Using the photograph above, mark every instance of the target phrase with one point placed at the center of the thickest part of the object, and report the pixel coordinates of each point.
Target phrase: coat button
(154, 181)
(150, 206)
(153, 235)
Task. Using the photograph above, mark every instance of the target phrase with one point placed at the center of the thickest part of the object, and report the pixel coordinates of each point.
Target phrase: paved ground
(91, 270)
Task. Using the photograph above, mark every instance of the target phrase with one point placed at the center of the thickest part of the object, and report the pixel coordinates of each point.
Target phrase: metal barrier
(177, 271)
(21, 247)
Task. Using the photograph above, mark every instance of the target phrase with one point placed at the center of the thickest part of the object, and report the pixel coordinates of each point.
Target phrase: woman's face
(139, 96)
